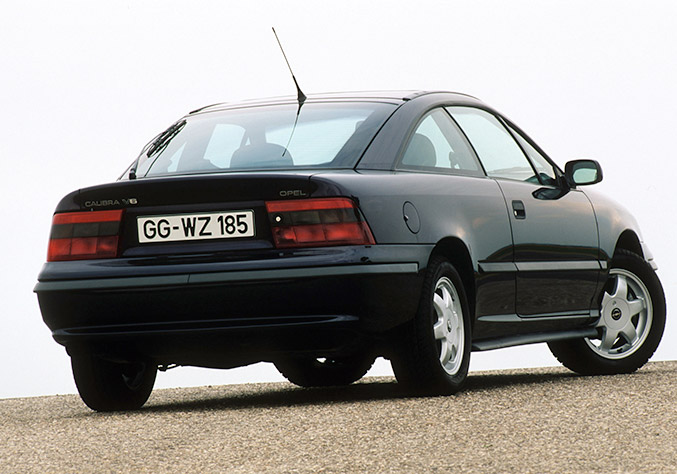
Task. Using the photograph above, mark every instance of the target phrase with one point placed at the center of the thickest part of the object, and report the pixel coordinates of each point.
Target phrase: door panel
(555, 249)
(554, 230)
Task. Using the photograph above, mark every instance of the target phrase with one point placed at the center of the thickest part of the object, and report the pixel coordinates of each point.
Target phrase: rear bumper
(225, 277)
(229, 313)
(222, 343)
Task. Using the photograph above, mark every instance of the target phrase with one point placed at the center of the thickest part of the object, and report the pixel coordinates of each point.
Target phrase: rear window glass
(319, 135)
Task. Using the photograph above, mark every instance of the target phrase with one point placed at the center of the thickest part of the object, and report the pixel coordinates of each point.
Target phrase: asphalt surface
(535, 420)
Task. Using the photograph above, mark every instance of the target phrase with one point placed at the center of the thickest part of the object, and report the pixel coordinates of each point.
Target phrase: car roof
(393, 96)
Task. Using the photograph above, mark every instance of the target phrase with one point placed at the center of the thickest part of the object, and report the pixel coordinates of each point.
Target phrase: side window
(438, 144)
(546, 172)
(496, 148)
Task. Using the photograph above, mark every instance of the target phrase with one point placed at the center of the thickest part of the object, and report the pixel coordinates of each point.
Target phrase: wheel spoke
(446, 296)
(440, 329)
(438, 302)
(608, 339)
(606, 300)
(621, 290)
(454, 348)
(629, 332)
(636, 306)
(453, 336)
(445, 353)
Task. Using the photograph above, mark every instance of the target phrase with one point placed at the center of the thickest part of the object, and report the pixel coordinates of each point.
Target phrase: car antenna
(301, 95)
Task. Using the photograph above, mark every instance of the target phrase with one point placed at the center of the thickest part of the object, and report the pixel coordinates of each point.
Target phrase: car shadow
(287, 395)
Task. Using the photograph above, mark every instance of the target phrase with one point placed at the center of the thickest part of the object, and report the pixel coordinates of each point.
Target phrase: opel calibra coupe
(319, 233)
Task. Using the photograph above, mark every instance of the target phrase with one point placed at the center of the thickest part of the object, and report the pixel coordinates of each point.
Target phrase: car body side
(216, 309)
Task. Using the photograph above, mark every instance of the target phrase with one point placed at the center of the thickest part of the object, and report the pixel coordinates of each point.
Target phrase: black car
(320, 233)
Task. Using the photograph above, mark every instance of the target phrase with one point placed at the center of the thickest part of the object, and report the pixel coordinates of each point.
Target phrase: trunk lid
(182, 208)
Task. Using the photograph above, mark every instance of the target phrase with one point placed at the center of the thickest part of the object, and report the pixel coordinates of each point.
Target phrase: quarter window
(438, 144)
(496, 148)
(546, 172)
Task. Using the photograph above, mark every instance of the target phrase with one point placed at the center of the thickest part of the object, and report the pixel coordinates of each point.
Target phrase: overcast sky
(85, 84)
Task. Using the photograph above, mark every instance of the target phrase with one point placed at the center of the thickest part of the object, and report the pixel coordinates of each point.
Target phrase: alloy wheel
(448, 327)
(626, 316)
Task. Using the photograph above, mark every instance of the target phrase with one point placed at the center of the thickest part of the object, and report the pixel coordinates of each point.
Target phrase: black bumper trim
(186, 328)
(223, 277)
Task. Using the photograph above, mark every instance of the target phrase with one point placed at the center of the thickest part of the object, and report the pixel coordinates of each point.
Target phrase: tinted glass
(546, 172)
(496, 148)
(437, 144)
(323, 135)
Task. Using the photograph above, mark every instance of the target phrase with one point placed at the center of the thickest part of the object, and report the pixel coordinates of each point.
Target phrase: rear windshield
(319, 135)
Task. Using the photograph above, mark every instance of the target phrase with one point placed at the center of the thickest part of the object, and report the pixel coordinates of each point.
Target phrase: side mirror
(583, 172)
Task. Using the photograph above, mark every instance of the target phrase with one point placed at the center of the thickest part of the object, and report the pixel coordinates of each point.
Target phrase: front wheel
(631, 323)
(112, 386)
(433, 350)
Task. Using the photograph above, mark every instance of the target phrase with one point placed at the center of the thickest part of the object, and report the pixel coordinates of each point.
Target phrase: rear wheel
(631, 323)
(433, 352)
(307, 371)
(112, 386)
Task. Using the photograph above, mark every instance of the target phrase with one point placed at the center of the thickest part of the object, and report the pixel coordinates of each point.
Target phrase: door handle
(518, 210)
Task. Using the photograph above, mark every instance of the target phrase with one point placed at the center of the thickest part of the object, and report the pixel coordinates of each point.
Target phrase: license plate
(213, 225)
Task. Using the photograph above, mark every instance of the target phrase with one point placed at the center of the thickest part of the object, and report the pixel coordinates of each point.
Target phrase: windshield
(319, 135)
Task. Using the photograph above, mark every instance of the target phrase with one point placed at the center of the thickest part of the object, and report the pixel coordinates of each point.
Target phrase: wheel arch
(628, 240)
(456, 252)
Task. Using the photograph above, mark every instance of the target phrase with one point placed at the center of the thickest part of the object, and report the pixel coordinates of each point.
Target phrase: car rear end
(225, 267)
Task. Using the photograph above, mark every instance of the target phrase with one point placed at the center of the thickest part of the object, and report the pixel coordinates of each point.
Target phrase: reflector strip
(310, 204)
(84, 217)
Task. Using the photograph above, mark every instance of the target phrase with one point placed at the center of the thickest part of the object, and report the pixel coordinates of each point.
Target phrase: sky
(84, 85)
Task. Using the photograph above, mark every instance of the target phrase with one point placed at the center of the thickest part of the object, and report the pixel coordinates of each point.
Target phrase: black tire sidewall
(415, 360)
(102, 387)
(580, 357)
(306, 371)
(427, 317)
(638, 267)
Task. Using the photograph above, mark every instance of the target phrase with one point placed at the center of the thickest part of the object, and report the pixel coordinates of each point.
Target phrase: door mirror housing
(583, 172)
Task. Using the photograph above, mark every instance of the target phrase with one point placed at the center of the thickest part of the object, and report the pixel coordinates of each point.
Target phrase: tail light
(317, 222)
(84, 235)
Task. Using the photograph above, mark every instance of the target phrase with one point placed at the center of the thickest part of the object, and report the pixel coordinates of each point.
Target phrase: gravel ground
(535, 420)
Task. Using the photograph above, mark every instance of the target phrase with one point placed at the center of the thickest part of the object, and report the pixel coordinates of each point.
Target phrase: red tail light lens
(317, 223)
(84, 235)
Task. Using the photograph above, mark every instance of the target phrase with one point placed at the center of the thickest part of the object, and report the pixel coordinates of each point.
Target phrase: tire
(631, 323)
(433, 350)
(317, 372)
(110, 386)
